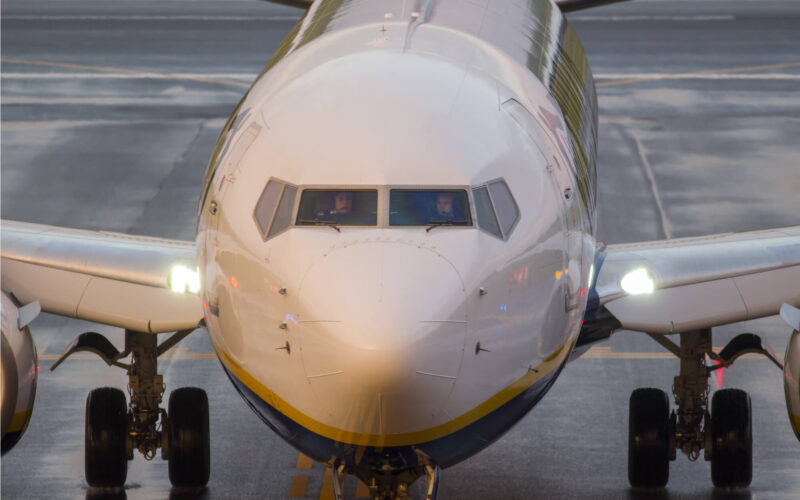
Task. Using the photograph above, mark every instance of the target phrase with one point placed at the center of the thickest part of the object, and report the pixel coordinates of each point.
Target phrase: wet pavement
(110, 111)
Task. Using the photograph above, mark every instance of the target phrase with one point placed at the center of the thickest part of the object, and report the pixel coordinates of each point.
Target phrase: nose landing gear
(115, 428)
(724, 434)
(389, 485)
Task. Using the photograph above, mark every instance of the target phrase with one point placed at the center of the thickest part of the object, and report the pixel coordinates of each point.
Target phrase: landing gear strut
(724, 433)
(115, 428)
(388, 484)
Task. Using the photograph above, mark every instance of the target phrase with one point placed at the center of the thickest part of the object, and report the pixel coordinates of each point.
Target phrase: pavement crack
(141, 222)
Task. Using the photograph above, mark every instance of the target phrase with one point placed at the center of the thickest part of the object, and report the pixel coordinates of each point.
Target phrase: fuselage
(380, 344)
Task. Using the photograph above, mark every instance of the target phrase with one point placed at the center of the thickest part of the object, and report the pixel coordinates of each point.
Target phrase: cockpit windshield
(338, 207)
(429, 207)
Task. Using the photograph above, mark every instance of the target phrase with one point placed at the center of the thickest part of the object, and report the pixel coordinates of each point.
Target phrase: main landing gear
(725, 434)
(115, 427)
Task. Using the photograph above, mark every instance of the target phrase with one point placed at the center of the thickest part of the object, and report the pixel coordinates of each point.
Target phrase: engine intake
(19, 369)
(791, 367)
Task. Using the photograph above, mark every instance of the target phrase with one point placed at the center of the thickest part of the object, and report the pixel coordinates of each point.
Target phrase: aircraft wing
(688, 284)
(139, 283)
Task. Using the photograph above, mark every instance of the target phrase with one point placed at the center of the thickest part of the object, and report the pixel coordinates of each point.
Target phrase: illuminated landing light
(638, 282)
(182, 279)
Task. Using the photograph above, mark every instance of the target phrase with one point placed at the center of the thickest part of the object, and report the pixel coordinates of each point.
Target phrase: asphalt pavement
(110, 111)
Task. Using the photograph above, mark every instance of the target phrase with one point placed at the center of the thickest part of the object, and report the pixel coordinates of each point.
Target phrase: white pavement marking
(151, 18)
(651, 18)
(60, 75)
(648, 170)
(697, 76)
(96, 101)
(8, 126)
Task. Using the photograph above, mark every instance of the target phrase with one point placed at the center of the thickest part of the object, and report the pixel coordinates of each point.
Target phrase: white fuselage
(387, 337)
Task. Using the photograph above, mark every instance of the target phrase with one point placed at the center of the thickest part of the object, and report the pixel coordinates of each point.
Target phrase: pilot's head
(343, 202)
(444, 204)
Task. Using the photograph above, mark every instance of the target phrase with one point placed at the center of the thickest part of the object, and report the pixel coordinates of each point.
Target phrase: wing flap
(703, 282)
(108, 278)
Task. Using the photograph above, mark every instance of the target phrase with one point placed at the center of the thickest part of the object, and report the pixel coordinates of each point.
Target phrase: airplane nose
(382, 333)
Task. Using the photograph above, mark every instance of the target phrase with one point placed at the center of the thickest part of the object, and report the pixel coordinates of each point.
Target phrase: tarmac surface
(110, 111)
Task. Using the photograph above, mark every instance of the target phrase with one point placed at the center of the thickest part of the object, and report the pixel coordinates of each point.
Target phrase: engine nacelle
(19, 369)
(791, 368)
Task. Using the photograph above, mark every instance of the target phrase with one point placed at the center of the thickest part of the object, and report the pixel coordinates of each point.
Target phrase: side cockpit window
(496, 209)
(487, 220)
(273, 213)
(338, 207)
(283, 216)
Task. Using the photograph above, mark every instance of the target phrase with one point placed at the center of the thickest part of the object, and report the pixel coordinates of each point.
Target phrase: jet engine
(19, 369)
(791, 367)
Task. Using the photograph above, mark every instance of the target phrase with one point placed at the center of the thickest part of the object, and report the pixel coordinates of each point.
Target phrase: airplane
(395, 258)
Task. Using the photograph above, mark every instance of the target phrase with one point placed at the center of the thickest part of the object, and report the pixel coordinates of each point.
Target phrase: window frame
(505, 234)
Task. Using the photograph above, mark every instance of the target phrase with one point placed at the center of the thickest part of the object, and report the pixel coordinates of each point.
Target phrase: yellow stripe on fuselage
(405, 439)
(19, 421)
(795, 421)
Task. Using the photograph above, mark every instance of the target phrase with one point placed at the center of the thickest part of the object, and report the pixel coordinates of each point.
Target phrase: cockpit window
(496, 208)
(283, 216)
(504, 204)
(487, 220)
(265, 207)
(425, 207)
(273, 212)
(338, 207)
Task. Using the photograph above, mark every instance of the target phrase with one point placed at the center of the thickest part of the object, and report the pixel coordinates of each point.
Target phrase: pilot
(444, 207)
(341, 208)
(342, 203)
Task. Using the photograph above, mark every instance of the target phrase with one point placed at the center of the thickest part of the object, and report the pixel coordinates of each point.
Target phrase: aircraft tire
(648, 438)
(189, 443)
(732, 439)
(106, 460)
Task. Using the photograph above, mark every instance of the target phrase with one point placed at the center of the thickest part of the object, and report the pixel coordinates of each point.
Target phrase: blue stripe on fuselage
(445, 451)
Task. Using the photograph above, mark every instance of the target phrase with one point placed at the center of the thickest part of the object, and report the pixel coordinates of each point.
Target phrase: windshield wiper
(448, 222)
(330, 223)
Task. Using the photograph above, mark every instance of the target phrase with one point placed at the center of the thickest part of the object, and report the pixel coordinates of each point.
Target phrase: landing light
(638, 282)
(182, 279)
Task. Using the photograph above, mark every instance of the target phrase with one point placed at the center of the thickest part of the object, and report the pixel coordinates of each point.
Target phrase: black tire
(648, 439)
(189, 448)
(106, 457)
(732, 439)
